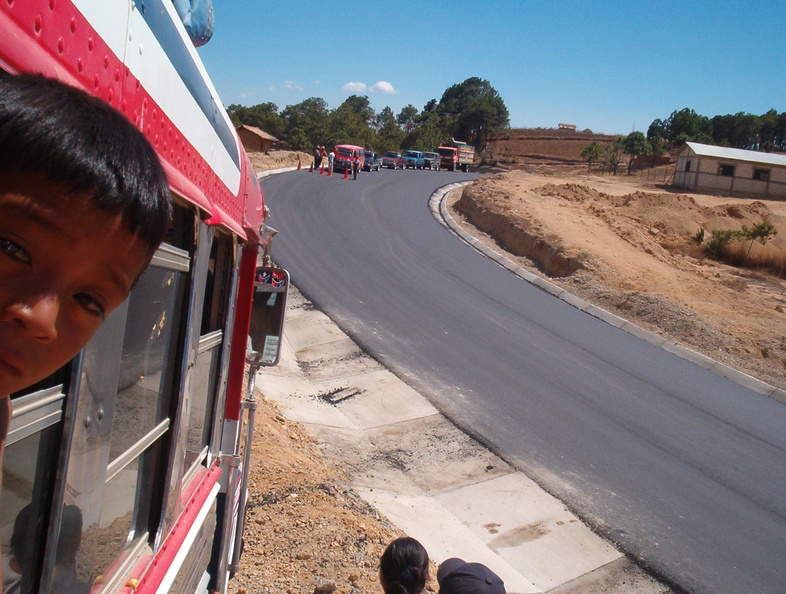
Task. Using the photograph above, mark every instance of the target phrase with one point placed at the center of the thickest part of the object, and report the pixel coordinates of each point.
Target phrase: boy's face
(64, 266)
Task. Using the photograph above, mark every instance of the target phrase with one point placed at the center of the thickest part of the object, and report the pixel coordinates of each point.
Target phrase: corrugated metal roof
(722, 152)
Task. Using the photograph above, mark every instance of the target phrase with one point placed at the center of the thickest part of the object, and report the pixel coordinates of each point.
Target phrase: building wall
(705, 175)
(253, 143)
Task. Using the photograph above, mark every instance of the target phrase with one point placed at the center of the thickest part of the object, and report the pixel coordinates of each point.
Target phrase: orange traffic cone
(298, 164)
(321, 170)
(311, 168)
(346, 172)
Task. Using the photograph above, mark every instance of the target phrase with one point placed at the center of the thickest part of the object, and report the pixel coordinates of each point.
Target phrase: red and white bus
(125, 464)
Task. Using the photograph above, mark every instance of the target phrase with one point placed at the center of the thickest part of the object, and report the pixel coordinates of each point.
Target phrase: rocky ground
(305, 532)
(619, 242)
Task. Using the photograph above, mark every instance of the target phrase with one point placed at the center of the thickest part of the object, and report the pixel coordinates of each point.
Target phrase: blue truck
(415, 160)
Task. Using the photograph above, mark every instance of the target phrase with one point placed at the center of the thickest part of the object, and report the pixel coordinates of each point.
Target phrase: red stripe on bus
(237, 358)
(55, 39)
(162, 561)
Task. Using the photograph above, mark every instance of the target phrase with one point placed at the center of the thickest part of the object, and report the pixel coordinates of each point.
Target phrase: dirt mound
(633, 251)
(279, 160)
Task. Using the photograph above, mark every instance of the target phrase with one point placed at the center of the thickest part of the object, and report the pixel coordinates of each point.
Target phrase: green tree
(346, 125)
(426, 136)
(306, 124)
(762, 232)
(723, 129)
(657, 129)
(612, 155)
(686, 125)
(389, 133)
(473, 111)
(263, 116)
(768, 125)
(591, 152)
(361, 106)
(431, 106)
(720, 240)
(779, 139)
(406, 117)
(657, 148)
(635, 144)
(746, 131)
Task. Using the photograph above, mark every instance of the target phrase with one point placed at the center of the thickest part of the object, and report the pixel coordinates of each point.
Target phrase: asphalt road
(684, 470)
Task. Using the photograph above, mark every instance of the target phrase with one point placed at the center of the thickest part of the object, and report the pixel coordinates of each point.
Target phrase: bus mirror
(271, 286)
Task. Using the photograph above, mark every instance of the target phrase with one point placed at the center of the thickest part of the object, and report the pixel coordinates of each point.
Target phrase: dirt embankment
(630, 249)
(279, 160)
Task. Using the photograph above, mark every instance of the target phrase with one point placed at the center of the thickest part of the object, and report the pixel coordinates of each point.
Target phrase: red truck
(456, 155)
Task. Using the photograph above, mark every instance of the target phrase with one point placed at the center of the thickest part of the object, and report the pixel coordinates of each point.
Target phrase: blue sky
(609, 66)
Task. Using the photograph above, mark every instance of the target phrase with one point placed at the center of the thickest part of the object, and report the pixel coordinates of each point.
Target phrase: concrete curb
(440, 211)
(269, 172)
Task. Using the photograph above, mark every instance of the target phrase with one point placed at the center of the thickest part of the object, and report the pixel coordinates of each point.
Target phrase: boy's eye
(12, 250)
(90, 304)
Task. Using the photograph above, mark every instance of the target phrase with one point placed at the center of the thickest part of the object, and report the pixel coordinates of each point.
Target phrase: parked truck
(456, 155)
(414, 159)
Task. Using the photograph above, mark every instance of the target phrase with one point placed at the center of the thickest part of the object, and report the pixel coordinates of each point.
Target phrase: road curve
(683, 469)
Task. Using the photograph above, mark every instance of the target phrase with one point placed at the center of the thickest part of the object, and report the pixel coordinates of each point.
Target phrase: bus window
(30, 456)
(114, 473)
(218, 283)
(203, 382)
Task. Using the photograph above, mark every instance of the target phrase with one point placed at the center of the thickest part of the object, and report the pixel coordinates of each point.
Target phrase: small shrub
(727, 245)
(762, 232)
(719, 242)
(699, 236)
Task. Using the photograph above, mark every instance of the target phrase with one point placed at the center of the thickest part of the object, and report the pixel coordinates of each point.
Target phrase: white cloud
(354, 87)
(292, 85)
(384, 88)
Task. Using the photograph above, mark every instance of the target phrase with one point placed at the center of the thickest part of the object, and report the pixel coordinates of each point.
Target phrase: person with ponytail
(403, 567)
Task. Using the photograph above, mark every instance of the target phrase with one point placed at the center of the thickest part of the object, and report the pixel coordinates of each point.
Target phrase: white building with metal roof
(722, 170)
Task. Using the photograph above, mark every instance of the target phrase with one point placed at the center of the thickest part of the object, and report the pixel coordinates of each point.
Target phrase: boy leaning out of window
(84, 204)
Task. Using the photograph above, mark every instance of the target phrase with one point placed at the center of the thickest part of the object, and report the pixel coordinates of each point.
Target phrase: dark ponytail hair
(403, 567)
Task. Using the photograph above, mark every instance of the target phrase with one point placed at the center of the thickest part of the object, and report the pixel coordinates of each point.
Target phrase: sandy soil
(616, 241)
(279, 160)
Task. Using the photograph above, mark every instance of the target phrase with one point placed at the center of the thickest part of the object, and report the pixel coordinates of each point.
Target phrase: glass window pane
(24, 503)
(203, 386)
(122, 522)
(150, 344)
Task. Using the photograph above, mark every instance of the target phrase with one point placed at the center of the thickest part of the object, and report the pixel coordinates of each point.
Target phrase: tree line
(766, 132)
(471, 111)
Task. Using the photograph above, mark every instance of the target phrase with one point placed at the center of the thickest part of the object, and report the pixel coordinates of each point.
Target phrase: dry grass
(757, 257)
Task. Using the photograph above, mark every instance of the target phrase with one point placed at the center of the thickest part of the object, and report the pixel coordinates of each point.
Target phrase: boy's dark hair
(404, 566)
(63, 135)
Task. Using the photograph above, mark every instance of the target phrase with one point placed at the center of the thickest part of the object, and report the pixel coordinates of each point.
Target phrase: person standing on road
(355, 165)
(331, 158)
(403, 567)
(317, 157)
